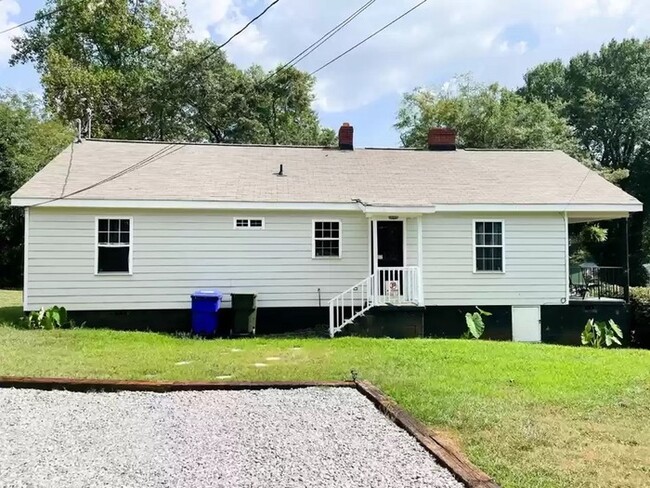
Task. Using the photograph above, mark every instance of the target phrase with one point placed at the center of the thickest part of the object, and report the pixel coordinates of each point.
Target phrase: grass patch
(532, 416)
(10, 306)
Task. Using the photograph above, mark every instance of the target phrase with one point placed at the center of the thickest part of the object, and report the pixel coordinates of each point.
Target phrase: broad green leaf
(617, 330)
(483, 312)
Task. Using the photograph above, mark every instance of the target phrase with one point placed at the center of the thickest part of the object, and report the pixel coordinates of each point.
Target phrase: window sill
(114, 273)
(489, 272)
(330, 258)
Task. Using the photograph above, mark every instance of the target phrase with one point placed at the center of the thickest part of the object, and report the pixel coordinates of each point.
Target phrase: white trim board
(26, 261)
(324, 206)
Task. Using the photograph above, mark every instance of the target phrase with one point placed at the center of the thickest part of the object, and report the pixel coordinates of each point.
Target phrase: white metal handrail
(352, 303)
(387, 286)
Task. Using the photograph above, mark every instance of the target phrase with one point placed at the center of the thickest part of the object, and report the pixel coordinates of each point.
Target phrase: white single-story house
(332, 232)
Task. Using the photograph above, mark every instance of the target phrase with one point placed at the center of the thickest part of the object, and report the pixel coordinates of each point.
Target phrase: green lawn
(529, 415)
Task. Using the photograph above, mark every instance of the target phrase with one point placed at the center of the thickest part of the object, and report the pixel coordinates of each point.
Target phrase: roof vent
(346, 137)
(442, 139)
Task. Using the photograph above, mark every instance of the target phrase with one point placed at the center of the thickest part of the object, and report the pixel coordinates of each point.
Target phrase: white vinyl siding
(535, 254)
(178, 252)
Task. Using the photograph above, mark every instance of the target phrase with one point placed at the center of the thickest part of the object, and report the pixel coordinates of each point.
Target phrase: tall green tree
(485, 116)
(216, 101)
(605, 96)
(106, 55)
(28, 141)
(282, 106)
(131, 62)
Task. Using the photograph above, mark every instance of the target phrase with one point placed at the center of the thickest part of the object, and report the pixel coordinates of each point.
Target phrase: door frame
(372, 241)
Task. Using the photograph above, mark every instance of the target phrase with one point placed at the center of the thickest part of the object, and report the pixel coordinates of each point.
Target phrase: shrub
(640, 316)
(50, 318)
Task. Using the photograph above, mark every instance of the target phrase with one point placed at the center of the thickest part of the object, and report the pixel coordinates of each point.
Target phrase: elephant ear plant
(475, 324)
(49, 318)
(598, 333)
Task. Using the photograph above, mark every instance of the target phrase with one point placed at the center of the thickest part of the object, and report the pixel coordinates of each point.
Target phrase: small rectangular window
(488, 246)
(113, 245)
(249, 223)
(327, 239)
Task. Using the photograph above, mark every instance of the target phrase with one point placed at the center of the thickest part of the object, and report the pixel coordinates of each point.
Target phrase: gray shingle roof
(374, 176)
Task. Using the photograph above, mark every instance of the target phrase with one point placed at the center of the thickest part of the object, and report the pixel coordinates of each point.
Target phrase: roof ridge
(191, 143)
(297, 146)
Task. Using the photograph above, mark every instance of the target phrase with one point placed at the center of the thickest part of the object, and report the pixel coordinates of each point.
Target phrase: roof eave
(325, 206)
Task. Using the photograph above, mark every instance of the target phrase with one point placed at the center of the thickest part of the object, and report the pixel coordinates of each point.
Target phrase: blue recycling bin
(205, 307)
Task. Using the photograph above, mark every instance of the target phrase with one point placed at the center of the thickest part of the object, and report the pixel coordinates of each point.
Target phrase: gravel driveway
(315, 437)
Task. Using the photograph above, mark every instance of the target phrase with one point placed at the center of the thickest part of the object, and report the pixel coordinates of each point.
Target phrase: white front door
(526, 324)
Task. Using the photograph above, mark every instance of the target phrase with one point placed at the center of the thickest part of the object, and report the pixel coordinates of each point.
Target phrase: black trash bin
(244, 306)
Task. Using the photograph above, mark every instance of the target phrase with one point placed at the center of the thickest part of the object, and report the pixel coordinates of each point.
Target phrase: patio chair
(576, 282)
(591, 277)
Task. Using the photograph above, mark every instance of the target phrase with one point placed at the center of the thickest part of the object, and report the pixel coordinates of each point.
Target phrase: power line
(36, 17)
(224, 44)
(168, 149)
(368, 38)
(319, 42)
(67, 174)
(155, 156)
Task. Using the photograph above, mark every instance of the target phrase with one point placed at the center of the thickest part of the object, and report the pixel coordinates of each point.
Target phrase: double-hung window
(327, 239)
(488, 246)
(114, 245)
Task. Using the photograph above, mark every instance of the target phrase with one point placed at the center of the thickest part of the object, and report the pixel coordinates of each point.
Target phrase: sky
(494, 40)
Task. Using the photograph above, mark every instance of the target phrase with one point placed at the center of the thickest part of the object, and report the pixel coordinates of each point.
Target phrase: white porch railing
(397, 286)
(386, 286)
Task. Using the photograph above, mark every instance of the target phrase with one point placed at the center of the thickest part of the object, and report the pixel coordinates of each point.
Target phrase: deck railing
(387, 286)
(598, 282)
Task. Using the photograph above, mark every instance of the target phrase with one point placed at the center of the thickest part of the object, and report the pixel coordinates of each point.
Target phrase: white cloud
(519, 47)
(8, 10)
(497, 40)
(435, 42)
(203, 14)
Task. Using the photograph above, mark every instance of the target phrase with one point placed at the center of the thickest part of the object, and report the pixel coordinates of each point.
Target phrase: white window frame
(314, 238)
(248, 225)
(502, 246)
(113, 273)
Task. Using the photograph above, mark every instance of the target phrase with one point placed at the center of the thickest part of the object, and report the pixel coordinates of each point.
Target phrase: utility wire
(224, 44)
(319, 42)
(67, 174)
(155, 156)
(36, 17)
(368, 38)
(165, 151)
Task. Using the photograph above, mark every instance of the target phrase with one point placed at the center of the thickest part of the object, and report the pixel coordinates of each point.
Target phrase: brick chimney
(346, 136)
(442, 139)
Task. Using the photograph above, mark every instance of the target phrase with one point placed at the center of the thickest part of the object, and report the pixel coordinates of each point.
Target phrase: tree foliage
(485, 116)
(605, 96)
(105, 55)
(132, 63)
(28, 141)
